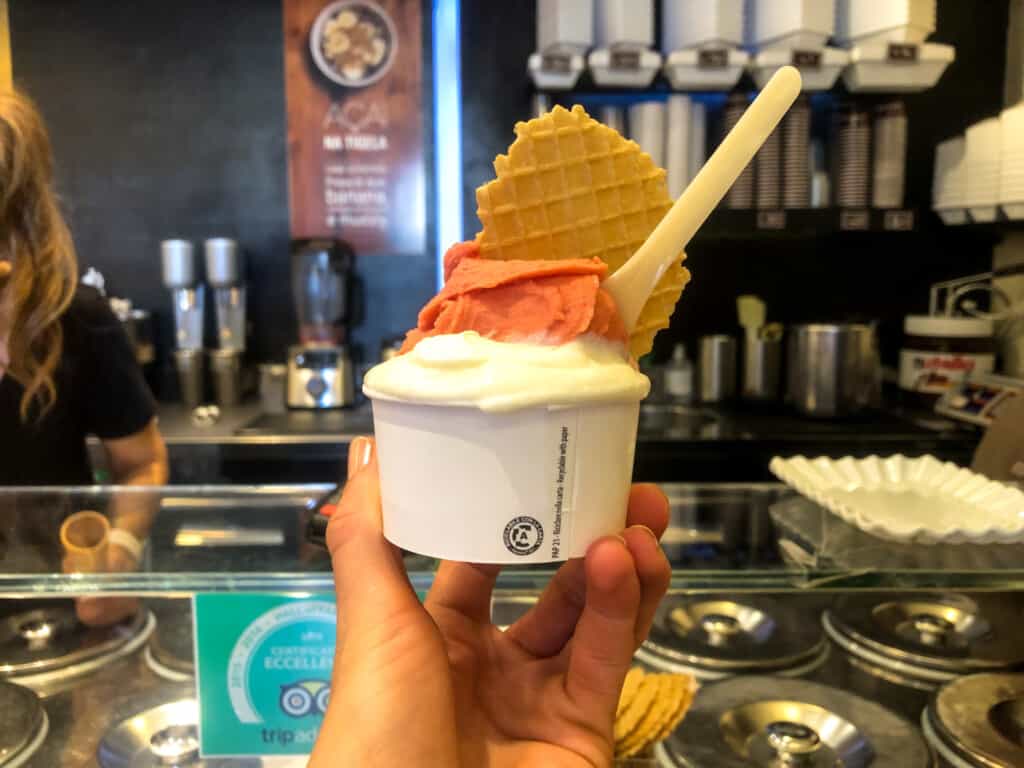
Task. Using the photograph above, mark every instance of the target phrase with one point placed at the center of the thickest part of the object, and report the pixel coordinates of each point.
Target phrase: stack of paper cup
(890, 155)
(697, 23)
(741, 194)
(678, 118)
(647, 128)
(984, 140)
(853, 150)
(803, 24)
(536, 485)
(769, 172)
(614, 117)
(698, 138)
(796, 155)
(860, 22)
(1011, 174)
(949, 184)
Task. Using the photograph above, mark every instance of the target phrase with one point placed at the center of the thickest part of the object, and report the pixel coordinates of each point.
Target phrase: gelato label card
(263, 672)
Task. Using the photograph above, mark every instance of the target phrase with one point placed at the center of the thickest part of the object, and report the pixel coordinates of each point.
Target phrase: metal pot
(833, 370)
(900, 648)
(44, 647)
(23, 724)
(717, 636)
(771, 721)
(978, 722)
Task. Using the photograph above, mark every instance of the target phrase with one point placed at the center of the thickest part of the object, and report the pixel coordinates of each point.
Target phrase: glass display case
(813, 643)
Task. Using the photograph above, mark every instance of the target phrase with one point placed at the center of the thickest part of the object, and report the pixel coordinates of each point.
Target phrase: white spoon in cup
(633, 282)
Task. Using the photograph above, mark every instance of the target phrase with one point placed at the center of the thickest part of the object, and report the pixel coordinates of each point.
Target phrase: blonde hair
(36, 240)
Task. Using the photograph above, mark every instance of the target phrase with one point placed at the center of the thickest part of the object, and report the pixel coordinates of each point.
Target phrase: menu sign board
(354, 81)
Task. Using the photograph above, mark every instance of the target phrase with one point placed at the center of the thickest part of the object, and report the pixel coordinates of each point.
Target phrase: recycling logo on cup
(523, 535)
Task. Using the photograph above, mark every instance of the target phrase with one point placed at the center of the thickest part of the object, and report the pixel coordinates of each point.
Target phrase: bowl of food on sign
(353, 42)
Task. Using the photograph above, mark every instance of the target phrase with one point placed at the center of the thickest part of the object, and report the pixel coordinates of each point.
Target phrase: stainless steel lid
(772, 721)
(732, 634)
(979, 719)
(172, 643)
(48, 636)
(22, 723)
(167, 735)
(951, 633)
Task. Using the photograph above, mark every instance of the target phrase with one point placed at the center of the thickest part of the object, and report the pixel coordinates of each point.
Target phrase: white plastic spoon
(633, 283)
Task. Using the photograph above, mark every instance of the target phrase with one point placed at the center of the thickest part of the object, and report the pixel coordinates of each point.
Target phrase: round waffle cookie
(571, 187)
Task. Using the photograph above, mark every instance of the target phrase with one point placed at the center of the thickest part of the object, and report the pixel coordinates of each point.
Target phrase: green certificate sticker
(263, 669)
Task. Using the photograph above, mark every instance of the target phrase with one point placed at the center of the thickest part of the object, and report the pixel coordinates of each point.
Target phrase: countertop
(674, 443)
(246, 425)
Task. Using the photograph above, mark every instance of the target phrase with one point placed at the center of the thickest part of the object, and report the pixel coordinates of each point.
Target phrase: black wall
(803, 278)
(168, 120)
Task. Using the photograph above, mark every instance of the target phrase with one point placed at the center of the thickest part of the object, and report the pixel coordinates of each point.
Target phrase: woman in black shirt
(66, 367)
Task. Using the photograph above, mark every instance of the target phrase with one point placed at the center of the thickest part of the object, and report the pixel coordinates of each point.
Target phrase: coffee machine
(320, 371)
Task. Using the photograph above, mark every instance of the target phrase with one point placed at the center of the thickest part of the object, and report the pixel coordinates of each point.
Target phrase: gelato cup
(533, 485)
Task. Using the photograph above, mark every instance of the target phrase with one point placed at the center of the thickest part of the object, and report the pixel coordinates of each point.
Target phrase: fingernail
(648, 531)
(360, 453)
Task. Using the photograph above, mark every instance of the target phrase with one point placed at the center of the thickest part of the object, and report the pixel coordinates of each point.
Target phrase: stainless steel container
(716, 636)
(44, 647)
(899, 648)
(178, 262)
(771, 721)
(189, 363)
(717, 366)
(223, 262)
(273, 387)
(170, 653)
(978, 721)
(226, 368)
(23, 724)
(762, 367)
(832, 370)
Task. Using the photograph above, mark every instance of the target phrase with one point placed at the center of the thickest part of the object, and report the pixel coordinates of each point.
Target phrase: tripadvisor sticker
(263, 669)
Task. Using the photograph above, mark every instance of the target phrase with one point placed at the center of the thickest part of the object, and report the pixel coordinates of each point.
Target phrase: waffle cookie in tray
(571, 187)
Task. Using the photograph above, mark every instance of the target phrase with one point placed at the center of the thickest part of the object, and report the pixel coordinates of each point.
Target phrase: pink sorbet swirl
(537, 302)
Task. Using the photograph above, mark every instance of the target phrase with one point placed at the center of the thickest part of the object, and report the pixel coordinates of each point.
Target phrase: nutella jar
(940, 352)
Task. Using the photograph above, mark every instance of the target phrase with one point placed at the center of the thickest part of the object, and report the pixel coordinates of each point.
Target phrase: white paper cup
(536, 485)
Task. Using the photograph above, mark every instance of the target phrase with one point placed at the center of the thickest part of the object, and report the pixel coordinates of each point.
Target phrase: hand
(439, 685)
(105, 611)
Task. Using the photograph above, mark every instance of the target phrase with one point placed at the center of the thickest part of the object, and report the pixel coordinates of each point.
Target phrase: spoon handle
(633, 283)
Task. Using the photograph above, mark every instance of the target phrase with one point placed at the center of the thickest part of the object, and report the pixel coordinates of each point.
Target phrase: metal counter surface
(674, 443)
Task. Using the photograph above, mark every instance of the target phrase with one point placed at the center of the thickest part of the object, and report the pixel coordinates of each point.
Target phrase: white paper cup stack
(689, 24)
(984, 141)
(853, 153)
(615, 118)
(861, 22)
(678, 119)
(803, 24)
(647, 128)
(741, 194)
(796, 155)
(949, 184)
(769, 172)
(536, 485)
(1011, 173)
(890, 155)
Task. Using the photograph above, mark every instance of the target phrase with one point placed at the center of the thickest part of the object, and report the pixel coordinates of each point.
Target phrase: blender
(320, 372)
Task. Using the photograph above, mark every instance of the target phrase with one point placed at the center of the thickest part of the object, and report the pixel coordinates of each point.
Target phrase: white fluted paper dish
(922, 500)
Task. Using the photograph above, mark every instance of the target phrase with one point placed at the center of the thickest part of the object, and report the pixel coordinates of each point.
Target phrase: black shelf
(802, 224)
